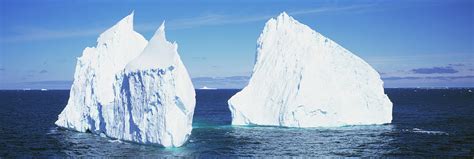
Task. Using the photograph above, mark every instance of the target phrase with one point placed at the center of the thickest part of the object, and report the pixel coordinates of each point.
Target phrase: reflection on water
(72, 143)
(212, 141)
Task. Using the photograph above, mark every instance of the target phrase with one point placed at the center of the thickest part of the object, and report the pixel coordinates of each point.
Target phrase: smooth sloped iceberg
(131, 89)
(303, 79)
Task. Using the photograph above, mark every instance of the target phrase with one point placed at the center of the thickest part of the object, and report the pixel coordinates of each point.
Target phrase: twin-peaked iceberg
(131, 89)
(303, 79)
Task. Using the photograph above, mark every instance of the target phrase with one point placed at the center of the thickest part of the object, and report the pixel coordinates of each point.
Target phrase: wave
(421, 131)
(115, 141)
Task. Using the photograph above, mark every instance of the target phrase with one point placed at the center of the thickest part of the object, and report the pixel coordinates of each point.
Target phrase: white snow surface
(303, 79)
(158, 54)
(130, 89)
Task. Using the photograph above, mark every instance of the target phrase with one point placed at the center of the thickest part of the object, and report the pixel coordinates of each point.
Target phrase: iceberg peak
(160, 32)
(159, 53)
(126, 22)
(124, 26)
(283, 19)
(283, 16)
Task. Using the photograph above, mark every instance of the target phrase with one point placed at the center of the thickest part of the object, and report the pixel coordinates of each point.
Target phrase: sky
(411, 43)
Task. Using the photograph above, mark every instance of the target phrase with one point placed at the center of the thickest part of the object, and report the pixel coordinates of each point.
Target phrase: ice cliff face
(95, 73)
(131, 89)
(303, 79)
(157, 95)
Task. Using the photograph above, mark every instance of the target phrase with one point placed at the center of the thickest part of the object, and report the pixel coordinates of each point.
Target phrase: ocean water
(426, 123)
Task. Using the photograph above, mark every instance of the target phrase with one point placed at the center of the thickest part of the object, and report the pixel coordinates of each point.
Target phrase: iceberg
(303, 79)
(130, 89)
(207, 88)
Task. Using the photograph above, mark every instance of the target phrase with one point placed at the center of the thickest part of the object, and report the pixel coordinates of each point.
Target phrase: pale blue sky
(412, 43)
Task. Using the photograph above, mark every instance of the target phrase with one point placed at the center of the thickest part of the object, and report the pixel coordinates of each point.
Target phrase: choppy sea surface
(426, 123)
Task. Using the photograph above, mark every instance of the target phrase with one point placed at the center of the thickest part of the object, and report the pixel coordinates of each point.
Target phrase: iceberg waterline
(303, 79)
(131, 89)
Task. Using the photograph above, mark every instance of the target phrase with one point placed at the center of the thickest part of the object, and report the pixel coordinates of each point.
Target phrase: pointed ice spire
(124, 25)
(160, 32)
(159, 53)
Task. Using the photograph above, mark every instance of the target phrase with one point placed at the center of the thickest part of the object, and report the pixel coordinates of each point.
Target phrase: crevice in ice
(180, 105)
(281, 116)
(318, 111)
(155, 101)
(299, 84)
(133, 127)
(171, 137)
(91, 123)
(102, 124)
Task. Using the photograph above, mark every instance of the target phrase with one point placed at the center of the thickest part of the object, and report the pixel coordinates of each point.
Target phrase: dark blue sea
(426, 123)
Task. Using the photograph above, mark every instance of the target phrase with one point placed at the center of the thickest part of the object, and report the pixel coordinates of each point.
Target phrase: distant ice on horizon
(205, 87)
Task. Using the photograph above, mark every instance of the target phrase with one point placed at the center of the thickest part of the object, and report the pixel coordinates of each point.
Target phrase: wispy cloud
(223, 19)
(43, 71)
(221, 82)
(445, 78)
(446, 72)
(241, 81)
(199, 58)
(457, 64)
(49, 83)
(400, 78)
(357, 8)
(37, 85)
(416, 58)
(449, 75)
(435, 70)
(35, 33)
